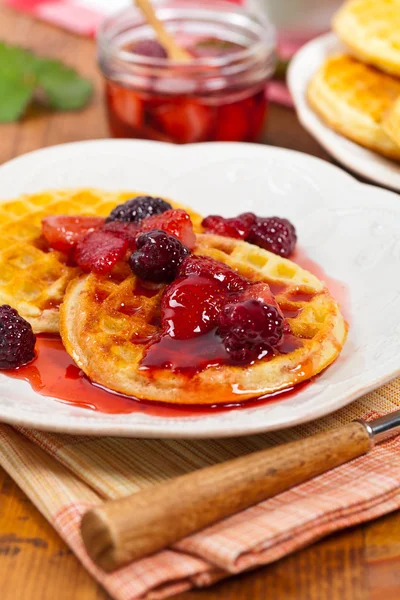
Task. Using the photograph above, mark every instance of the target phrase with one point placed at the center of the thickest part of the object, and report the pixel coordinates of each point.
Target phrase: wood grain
(130, 528)
(360, 564)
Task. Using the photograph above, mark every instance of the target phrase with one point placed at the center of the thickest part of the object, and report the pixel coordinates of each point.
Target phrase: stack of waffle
(357, 93)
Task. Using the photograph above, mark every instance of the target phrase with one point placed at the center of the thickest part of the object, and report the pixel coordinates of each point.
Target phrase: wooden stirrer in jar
(174, 51)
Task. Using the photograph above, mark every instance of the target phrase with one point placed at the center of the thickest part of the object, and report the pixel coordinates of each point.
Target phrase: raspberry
(227, 278)
(175, 222)
(137, 209)
(150, 48)
(236, 227)
(123, 230)
(249, 329)
(17, 340)
(63, 232)
(274, 234)
(100, 251)
(158, 256)
(190, 307)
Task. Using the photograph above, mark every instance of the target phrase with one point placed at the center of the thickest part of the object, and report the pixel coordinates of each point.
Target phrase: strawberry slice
(126, 104)
(185, 122)
(190, 307)
(204, 266)
(99, 251)
(175, 222)
(124, 230)
(233, 122)
(63, 232)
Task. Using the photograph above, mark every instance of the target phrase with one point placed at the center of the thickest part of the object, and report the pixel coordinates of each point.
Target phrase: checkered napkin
(65, 475)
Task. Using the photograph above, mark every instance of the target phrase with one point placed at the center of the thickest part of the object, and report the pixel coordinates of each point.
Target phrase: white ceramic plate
(350, 229)
(360, 160)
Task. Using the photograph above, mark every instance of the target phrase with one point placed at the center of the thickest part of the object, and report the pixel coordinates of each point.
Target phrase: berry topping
(63, 232)
(137, 209)
(249, 329)
(123, 230)
(190, 307)
(100, 251)
(175, 222)
(158, 256)
(274, 234)
(261, 292)
(17, 340)
(236, 227)
(150, 48)
(227, 278)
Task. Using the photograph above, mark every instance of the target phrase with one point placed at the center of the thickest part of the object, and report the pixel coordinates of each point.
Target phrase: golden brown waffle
(32, 279)
(370, 29)
(353, 99)
(107, 323)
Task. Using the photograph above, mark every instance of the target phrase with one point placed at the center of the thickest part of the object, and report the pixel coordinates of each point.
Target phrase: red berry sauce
(54, 374)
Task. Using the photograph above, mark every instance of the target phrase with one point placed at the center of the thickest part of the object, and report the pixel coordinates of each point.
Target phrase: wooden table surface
(360, 564)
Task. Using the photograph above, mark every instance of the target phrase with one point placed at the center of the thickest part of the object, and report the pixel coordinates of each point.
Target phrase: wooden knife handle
(130, 528)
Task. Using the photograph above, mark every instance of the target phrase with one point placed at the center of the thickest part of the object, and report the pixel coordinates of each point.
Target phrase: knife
(129, 528)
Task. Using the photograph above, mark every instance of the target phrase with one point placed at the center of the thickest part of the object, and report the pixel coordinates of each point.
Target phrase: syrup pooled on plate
(54, 374)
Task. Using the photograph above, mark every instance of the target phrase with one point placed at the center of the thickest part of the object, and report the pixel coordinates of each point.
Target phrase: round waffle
(108, 323)
(369, 28)
(353, 99)
(33, 279)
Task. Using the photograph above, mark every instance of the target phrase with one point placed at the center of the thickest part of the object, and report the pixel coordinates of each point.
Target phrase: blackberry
(137, 209)
(273, 234)
(17, 340)
(249, 329)
(158, 256)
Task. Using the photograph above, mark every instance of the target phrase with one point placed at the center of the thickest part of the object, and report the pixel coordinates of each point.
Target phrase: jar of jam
(219, 95)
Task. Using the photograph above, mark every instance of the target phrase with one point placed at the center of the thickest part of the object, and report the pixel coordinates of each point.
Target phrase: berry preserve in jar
(219, 95)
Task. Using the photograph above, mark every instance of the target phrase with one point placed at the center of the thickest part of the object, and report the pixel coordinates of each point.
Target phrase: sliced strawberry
(184, 122)
(124, 230)
(190, 307)
(62, 232)
(126, 104)
(100, 251)
(233, 122)
(175, 222)
(204, 266)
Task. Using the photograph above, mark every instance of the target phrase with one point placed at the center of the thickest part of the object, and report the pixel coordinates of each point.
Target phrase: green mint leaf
(22, 74)
(64, 88)
(15, 95)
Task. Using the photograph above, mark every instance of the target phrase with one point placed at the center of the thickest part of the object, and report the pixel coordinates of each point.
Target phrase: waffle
(353, 99)
(370, 30)
(33, 280)
(391, 122)
(107, 324)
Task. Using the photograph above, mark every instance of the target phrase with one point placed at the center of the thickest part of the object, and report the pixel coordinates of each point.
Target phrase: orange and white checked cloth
(65, 475)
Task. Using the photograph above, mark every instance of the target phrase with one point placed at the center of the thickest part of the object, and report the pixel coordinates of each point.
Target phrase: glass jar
(220, 95)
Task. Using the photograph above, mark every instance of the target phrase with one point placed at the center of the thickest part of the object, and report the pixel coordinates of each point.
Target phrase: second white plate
(360, 160)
